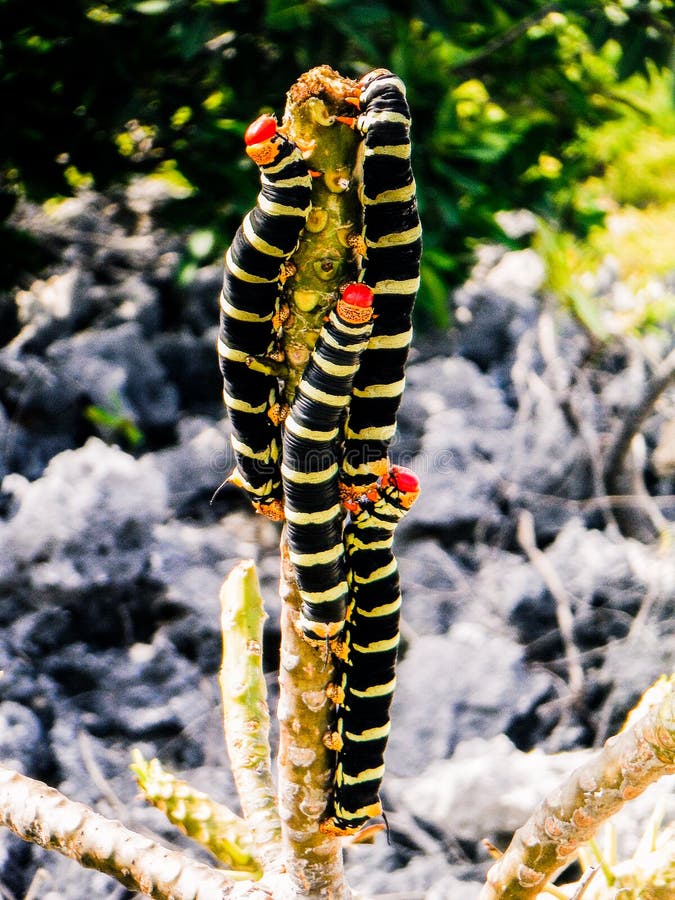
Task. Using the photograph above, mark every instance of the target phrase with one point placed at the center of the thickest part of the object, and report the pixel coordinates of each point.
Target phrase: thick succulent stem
(41, 814)
(313, 860)
(245, 712)
(628, 763)
(198, 816)
(325, 258)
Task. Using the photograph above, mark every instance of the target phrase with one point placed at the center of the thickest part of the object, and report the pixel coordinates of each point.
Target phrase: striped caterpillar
(253, 277)
(310, 464)
(392, 240)
(368, 655)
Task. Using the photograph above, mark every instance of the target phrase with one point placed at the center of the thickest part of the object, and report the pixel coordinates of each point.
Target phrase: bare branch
(41, 814)
(623, 769)
(563, 607)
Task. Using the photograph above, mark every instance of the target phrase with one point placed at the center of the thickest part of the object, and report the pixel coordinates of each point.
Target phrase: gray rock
(433, 585)
(462, 453)
(21, 738)
(549, 466)
(470, 682)
(197, 465)
(118, 371)
(86, 523)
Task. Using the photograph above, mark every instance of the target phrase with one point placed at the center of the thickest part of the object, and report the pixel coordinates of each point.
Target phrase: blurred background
(565, 109)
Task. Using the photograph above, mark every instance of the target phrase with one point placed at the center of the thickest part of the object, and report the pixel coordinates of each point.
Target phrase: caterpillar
(368, 655)
(310, 464)
(254, 272)
(392, 243)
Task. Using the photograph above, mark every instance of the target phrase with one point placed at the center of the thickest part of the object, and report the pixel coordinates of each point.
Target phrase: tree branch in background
(622, 474)
(563, 607)
(628, 763)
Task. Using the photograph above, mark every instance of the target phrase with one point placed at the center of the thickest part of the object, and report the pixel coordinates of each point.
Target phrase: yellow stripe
(378, 646)
(242, 405)
(355, 347)
(366, 775)
(358, 544)
(229, 353)
(309, 434)
(241, 315)
(269, 454)
(393, 118)
(391, 341)
(370, 734)
(330, 368)
(312, 518)
(376, 391)
(397, 195)
(401, 151)
(385, 610)
(383, 433)
(242, 275)
(334, 593)
(391, 286)
(274, 168)
(365, 812)
(310, 477)
(257, 242)
(267, 488)
(394, 238)
(297, 181)
(376, 690)
(379, 574)
(322, 557)
(322, 396)
(278, 209)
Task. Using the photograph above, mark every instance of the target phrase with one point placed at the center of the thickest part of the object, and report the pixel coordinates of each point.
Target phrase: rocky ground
(112, 442)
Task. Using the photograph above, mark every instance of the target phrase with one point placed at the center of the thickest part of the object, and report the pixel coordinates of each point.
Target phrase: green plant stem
(197, 815)
(245, 712)
(324, 258)
(571, 815)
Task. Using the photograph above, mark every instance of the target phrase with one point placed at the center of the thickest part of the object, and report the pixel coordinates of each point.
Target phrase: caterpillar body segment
(367, 661)
(310, 464)
(392, 238)
(254, 269)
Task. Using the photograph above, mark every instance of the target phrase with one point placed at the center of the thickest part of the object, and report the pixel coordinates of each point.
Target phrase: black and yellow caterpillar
(392, 243)
(367, 660)
(310, 464)
(253, 277)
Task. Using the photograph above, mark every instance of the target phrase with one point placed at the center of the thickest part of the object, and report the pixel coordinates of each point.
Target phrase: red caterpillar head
(356, 303)
(258, 140)
(405, 482)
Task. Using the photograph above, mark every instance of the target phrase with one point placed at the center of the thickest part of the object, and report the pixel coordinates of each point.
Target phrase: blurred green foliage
(506, 96)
